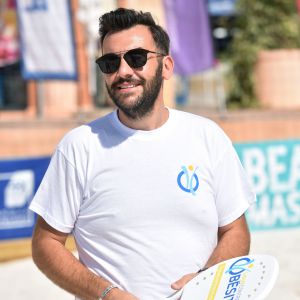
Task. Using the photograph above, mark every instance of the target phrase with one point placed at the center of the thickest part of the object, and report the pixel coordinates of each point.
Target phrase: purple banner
(190, 33)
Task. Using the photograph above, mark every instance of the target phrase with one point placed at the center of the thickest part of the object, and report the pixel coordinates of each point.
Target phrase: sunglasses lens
(136, 58)
(109, 63)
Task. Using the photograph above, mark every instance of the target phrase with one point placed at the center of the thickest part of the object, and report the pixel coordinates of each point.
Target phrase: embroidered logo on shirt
(188, 180)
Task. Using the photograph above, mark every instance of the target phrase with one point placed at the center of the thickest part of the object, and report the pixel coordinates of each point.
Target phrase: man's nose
(125, 70)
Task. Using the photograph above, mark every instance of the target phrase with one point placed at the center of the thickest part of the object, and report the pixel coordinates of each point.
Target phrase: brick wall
(31, 139)
(259, 125)
(39, 138)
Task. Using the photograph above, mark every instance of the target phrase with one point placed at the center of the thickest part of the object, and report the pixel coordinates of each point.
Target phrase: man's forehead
(134, 37)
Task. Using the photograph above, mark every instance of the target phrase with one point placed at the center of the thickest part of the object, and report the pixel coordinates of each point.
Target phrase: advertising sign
(222, 7)
(19, 180)
(274, 171)
(47, 41)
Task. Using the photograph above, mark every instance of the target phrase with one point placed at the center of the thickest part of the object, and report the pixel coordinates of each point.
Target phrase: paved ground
(21, 280)
(285, 246)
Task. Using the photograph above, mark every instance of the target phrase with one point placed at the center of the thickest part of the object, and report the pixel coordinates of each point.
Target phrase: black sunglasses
(135, 58)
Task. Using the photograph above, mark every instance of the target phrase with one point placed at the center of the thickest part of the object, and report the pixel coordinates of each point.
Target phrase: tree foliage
(260, 24)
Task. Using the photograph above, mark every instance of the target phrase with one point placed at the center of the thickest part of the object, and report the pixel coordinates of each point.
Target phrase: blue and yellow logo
(238, 272)
(188, 180)
(241, 265)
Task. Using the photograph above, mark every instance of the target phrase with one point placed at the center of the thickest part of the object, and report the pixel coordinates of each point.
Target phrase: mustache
(128, 81)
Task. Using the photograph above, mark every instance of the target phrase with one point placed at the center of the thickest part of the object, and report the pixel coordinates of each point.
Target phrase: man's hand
(179, 284)
(118, 294)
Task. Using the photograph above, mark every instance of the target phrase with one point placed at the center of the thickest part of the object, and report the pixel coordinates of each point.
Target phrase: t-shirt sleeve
(59, 195)
(233, 191)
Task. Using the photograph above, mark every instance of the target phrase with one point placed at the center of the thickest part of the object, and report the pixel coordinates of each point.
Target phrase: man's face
(134, 91)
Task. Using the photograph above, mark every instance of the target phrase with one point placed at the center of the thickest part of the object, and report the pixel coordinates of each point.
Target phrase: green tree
(260, 24)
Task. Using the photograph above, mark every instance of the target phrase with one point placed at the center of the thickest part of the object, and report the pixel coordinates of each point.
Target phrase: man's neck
(155, 119)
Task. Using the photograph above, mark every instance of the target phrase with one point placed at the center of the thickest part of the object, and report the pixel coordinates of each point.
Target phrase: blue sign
(19, 180)
(222, 7)
(274, 171)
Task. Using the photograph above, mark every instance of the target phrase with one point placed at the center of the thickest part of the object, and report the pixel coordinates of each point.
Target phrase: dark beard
(144, 103)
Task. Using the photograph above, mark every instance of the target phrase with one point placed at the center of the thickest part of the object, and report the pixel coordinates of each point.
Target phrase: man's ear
(168, 67)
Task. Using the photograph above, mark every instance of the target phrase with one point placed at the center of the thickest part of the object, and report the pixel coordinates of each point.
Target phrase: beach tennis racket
(250, 277)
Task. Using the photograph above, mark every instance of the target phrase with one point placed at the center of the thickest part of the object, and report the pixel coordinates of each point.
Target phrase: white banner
(47, 41)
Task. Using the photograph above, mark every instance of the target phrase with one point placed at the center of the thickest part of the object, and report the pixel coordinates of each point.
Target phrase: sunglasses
(135, 58)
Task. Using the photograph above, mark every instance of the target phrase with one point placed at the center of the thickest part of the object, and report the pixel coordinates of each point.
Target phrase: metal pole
(40, 99)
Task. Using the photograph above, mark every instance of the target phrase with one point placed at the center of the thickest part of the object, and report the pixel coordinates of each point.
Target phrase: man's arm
(65, 270)
(233, 241)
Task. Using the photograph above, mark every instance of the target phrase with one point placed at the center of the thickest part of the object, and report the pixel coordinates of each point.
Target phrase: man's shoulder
(84, 133)
(188, 119)
(201, 127)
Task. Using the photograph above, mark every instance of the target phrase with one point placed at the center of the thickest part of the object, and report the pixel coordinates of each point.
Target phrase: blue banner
(19, 180)
(274, 171)
(222, 7)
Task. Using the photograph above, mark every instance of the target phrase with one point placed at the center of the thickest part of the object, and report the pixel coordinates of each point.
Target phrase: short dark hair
(123, 18)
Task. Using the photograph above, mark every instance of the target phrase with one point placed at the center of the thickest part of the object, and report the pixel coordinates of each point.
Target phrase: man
(152, 195)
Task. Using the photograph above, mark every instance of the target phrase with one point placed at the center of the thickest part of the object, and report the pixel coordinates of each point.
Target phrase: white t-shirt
(144, 206)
